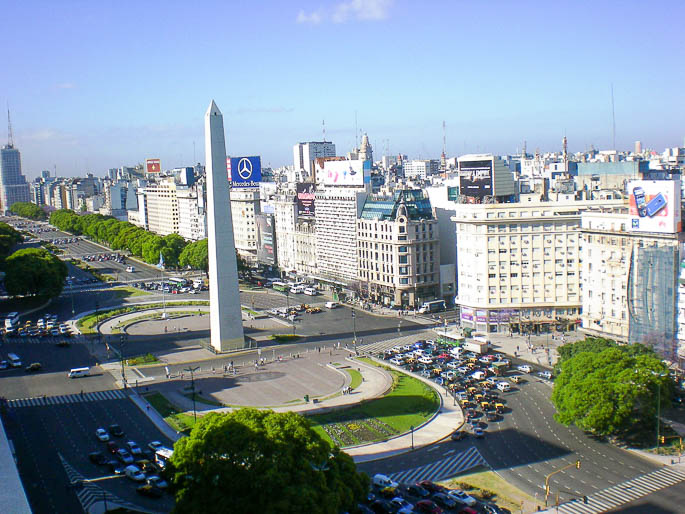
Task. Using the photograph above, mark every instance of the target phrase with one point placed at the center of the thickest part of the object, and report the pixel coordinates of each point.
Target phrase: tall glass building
(13, 185)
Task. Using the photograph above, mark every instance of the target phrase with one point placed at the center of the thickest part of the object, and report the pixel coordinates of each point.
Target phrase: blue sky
(94, 85)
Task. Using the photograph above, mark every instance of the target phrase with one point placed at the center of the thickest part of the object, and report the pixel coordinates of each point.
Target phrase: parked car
(462, 497)
(97, 458)
(157, 481)
(134, 473)
(134, 448)
(417, 491)
(443, 500)
(427, 506)
(124, 456)
(432, 487)
(116, 430)
(102, 434)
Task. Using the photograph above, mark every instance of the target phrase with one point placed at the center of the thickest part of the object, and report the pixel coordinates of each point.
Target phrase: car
(157, 481)
(516, 379)
(116, 430)
(134, 448)
(4, 365)
(54, 332)
(124, 456)
(432, 487)
(461, 496)
(396, 361)
(478, 432)
(97, 458)
(525, 368)
(417, 491)
(34, 366)
(382, 481)
(134, 473)
(427, 506)
(102, 434)
(443, 500)
(458, 435)
(381, 506)
(492, 417)
(150, 491)
(545, 374)
(400, 503)
(154, 445)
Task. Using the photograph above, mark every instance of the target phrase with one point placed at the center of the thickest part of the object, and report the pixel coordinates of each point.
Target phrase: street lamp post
(354, 328)
(192, 386)
(122, 340)
(412, 436)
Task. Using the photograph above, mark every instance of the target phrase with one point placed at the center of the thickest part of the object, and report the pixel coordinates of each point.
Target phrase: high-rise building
(245, 206)
(13, 185)
(399, 249)
(304, 155)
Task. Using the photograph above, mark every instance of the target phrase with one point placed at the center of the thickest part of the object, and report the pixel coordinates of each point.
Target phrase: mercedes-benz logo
(245, 168)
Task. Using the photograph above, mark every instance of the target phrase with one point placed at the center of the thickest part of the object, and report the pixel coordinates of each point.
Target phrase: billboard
(655, 206)
(475, 178)
(266, 239)
(344, 173)
(467, 313)
(153, 165)
(244, 171)
(305, 199)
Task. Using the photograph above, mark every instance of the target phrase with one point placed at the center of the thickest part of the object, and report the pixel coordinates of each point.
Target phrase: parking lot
(53, 443)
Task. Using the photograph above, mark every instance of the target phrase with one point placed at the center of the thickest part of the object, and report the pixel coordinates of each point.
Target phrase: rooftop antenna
(613, 116)
(444, 139)
(524, 152)
(323, 126)
(10, 138)
(564, 143)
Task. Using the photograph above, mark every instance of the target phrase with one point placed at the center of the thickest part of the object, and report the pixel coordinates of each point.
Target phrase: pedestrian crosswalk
(88, 493)
(442, 469)
(621, 494)
(39, 401)
(381, 346)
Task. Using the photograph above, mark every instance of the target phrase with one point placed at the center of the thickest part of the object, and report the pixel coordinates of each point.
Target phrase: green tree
(261, 461)
(195, 255)
(28, 210)
(34, 271)
(612, 390)
(8, 238)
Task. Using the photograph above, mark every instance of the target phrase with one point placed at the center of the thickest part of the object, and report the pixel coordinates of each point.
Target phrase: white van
(297, 289)
(310, 291)
(79, 372)
(14, 359)
(331, 305)
(503, 386)
(130, 269)
(382, 481)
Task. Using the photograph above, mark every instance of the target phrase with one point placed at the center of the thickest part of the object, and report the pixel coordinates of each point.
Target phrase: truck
(430, 307)
(476, 346)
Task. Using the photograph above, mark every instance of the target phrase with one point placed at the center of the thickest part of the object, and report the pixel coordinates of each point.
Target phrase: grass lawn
(488, 485)
(179, 421)
(126, 292)
(355, 376)
(148, 358)
(409, 403)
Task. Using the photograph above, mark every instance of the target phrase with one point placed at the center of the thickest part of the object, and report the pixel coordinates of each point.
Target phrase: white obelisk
(226, 324)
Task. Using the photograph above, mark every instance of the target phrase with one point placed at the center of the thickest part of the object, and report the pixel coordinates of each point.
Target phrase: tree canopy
(34, 271)
(8, 238)
(28, 210)
(121, 235)
(609, 389)
(261, 461)
(195, 255)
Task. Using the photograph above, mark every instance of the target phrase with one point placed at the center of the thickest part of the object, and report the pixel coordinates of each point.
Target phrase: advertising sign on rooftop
(244, 171)
(475, 178)
(344, 173)
(153, 165)
(655, 206)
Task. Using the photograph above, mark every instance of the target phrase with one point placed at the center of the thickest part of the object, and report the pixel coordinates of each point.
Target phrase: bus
(177, 282)
(430, 307)
(280, 286)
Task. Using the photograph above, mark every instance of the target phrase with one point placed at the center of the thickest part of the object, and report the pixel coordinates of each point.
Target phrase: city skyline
(98, 87)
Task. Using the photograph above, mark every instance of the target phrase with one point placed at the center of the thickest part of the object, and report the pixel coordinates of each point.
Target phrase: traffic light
(577, 464)
(662, 439)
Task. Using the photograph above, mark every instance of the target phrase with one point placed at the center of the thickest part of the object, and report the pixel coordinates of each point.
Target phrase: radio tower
(443, 157)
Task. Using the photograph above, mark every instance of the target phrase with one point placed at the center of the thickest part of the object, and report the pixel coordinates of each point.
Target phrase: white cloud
(350, 10)
(366, 10)
(313, 18)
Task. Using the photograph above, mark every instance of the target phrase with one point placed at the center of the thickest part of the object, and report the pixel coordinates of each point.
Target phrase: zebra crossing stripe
(95, 396)
(443, 468)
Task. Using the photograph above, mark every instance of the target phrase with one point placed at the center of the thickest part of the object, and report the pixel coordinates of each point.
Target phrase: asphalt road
(41, 434)
(664, 501)
(526, 444)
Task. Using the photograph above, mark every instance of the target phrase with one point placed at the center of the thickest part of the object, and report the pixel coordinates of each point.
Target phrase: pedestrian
(148, 407)
(517, 348)
(256, 366)
(231, 364)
